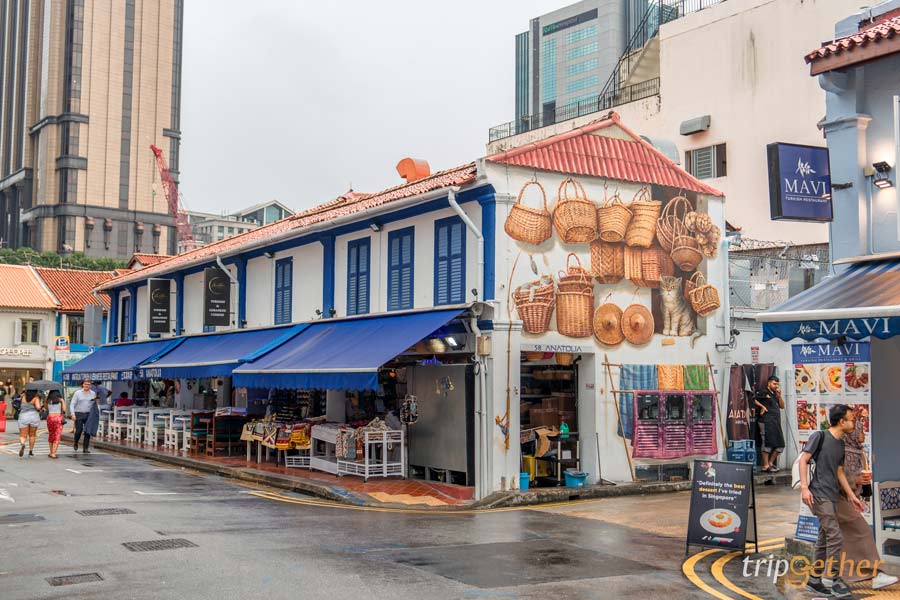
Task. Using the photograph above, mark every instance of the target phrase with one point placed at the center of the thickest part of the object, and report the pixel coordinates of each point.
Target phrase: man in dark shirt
(821, 495)
(769, 404)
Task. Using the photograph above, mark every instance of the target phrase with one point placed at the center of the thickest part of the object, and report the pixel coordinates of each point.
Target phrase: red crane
(182, 222)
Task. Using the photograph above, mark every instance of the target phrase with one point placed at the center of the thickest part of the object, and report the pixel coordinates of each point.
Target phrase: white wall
(193, 303)
(260, 289)
(143, 312)
(36, 356)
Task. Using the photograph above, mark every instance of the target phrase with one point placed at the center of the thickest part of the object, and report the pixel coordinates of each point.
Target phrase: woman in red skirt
(56, 416)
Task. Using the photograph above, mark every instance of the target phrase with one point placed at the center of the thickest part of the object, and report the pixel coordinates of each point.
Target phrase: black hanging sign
(160, 304)
(722, 497)
(216, 297)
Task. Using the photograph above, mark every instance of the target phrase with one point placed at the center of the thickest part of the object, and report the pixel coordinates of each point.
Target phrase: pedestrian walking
(56, 417)
(29, 420)
(859, 543)
(821, 493)
(82, 404)
(769, 404)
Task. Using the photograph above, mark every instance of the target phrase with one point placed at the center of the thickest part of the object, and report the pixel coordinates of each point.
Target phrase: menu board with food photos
(829, 374)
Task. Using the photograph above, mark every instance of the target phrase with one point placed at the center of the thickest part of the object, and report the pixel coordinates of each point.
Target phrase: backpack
(795, 468)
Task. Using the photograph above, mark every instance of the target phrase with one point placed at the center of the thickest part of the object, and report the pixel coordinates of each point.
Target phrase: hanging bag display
(613, 217)
(672, 214)
(575, 217)
(704, 296)
(409, 410)
(642, 228)
(527, 224)
(607, 261)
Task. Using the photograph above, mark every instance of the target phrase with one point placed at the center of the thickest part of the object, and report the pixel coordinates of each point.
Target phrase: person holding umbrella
(29, 420)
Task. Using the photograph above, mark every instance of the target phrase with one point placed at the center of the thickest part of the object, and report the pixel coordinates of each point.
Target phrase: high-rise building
(85, 88)
(568, 55)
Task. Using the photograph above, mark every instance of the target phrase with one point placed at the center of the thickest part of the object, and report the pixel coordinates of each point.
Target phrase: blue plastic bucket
(524, 478)
(575, 479)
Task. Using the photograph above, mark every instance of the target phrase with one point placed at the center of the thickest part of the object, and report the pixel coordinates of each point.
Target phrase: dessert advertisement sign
(829, 374)
(721, 500)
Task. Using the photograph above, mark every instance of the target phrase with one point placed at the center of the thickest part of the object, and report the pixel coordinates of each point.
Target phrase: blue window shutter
(284, 275)
(400, 269)
(449, 261)
(358, 255)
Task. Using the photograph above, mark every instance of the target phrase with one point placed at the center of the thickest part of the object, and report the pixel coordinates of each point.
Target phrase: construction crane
(183, 227)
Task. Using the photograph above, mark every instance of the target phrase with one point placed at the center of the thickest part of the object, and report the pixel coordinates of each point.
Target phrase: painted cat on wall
(677, 318)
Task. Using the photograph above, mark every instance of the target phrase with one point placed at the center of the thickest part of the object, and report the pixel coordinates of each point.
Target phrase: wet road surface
(239, 545)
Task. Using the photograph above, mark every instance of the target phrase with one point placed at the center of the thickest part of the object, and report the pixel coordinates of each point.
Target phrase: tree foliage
(77, 260)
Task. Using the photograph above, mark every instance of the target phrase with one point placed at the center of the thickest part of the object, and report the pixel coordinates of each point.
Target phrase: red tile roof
(886, 29)
(343, 205)
(147, 259)
(73, 287)
(586, 151)
(22, 288)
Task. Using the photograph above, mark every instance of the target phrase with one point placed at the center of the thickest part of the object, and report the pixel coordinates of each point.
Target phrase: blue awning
(341, 355)
(215, 354)
(117, 362)
(860, 302)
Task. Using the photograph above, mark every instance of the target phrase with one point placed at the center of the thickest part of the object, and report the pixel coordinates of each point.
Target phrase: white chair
(173, 435)
(118, 421)
(886, 502)
(155, 426)
(103, 424)
(134, 428)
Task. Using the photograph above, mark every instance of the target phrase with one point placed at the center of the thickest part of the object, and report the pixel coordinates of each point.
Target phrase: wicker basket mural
(613, 217)
(574, 313)
(575, 217)
(527, 224)
(704, 296)
(671, 220)
(535, 302)
(686, 252)
(655, 264)
(642, 229)
(607, 261)
(575, 278)
(634, 268)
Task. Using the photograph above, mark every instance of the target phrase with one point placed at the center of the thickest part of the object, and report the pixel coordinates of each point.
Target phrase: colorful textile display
(633, 377)
(670, 377)
(696, 377)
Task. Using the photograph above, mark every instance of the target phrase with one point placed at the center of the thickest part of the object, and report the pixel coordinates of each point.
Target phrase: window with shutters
(706, 163)
(284, 277)
(30, 331)
(358, 253)
(449, 261)
(400, 269)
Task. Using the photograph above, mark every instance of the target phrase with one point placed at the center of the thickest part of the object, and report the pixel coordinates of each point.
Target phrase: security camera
(735, 332)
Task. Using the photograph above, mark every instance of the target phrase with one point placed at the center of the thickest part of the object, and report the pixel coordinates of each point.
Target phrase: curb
(509, 499)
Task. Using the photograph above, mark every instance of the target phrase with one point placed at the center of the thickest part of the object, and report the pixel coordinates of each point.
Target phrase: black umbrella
(43, 385)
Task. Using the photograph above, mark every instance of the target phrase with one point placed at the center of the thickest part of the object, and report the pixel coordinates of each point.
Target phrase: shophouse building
(424, 289)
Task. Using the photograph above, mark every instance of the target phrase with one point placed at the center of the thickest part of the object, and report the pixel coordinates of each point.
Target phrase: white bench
(887, 517)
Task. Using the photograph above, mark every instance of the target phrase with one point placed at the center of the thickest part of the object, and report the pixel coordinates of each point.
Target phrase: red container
(2, 417)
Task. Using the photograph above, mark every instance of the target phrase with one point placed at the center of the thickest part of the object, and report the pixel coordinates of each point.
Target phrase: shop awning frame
(225, 350)
(357, 348)
(861, 302)
(118, 362)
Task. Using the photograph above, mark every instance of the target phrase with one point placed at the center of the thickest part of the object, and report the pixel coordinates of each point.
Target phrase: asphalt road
(240, 545)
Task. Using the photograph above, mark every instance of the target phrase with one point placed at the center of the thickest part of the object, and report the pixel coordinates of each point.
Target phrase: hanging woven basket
(574, 216)
(671, 217)
(607, 261)
(613, 217)
(574, 313)
(642, 228)
(575, 278)
(704, 296)
(527, 224)
(536, 315)
(686, 252)
(539, 289)
(655, 264)
(634, 267)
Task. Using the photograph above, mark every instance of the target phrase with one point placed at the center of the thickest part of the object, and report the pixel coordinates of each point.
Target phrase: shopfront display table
(378, 448)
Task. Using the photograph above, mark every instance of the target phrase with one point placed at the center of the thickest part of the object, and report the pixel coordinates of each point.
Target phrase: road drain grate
(99, 512)
(73, 579)
(16, 518)
(150, 545)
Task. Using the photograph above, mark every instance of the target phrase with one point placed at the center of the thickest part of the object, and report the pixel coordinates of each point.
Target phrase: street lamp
(882, 178)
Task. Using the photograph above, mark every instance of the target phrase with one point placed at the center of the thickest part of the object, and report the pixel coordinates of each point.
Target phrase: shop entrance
(17, 378)
(548, 416)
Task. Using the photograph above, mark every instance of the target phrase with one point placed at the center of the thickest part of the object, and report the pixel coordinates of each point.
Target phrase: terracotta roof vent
(413, 169)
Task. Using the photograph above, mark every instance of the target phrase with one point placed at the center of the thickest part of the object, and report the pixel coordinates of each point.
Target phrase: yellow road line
(688, 569)
(718, 572)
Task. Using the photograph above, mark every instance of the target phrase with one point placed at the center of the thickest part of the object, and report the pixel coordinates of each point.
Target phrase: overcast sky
(295, 100)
